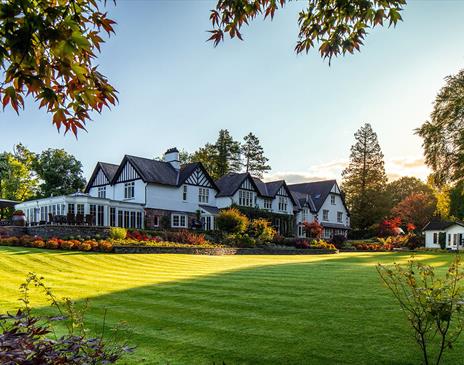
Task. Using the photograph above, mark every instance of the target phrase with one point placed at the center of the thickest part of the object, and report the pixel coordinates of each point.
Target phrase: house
(444, 233)
(182, 195)
(321, 201)
(141, 192)
(248, 192)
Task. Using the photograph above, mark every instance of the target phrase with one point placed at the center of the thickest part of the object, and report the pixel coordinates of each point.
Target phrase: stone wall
(12, 231)
(218, 251)
(60, 231)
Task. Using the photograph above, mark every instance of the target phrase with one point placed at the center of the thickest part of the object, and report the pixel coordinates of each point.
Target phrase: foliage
(232, 221)
(403, 187)
(337, 27)
(417, 208)
(28, 339)
(389, 227)
(164, 244)
(254, 160)
(60, 173)
(17, 177)
(313, 229)
(456, 200)
(364, 180)
(185, 236)
(239, 240)
(442, 135)
(261, 229)
(118, 233)
(434, 306)
(338, 240)
(47, 50)
(58, 243)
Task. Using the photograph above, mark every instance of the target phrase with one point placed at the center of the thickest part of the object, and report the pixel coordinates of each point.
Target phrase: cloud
(395, 168)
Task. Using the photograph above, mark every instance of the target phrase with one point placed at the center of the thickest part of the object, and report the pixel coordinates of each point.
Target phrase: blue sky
(177, 90)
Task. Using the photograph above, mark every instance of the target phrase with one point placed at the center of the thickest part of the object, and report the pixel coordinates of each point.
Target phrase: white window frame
(325, 214)
(332, 199)
(203, 195)
(267, 203)
(246, 198)
(184, 193)
(340, 217)
(283, 203)
(181, 221)
(129, 190)
(102, 192)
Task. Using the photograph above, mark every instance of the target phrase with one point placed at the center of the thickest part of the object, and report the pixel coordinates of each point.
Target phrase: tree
(336, 26)
(364, 180)
(60, 173)
(254, 160)
(221, 157)
(47, 48)
(417, 208)
(17, 177)
(456, 200)
(443, 134)
(403, 187)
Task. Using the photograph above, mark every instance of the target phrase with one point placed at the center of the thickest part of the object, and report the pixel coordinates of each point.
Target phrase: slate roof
(303, 199)
(438, 224)
(230, 183)
(317, 190)
(108, 169)
(160, 172)
(210, 209)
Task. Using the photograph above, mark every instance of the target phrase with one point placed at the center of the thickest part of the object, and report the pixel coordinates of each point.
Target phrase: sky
(175, 89)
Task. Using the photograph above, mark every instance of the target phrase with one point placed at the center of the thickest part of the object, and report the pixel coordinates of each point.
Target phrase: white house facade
(148, 193)
(321, 201)
(448, 234)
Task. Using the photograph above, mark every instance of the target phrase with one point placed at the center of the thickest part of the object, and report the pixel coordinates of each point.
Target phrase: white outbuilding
(441, 233)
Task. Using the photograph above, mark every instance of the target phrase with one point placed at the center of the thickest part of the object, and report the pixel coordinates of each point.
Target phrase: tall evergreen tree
(228, 154)
(254, 160)
(364, 180)
(207, 155)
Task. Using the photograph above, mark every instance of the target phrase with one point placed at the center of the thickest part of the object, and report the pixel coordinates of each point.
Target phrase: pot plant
(19, 218)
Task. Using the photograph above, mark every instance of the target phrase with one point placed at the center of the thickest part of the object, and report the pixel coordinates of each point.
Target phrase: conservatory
(82, 209)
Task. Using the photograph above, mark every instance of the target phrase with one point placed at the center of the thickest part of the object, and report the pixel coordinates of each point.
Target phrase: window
(101, 215)
(340, 217)
(93, 213)
(435, 238)
(283, 203)
(325, 215)
(112, 217)
(132, 219)
(126, 219)
(203, 195)
(80, 209)
(156, 221)
(332, 199)
(267, 204)
(184, 193)
(207, 223)
(246, 198)
(71, 208)
(129, 190)
(120, 218)
(327, 233)
(102, 192)
(139, 220)
(179, 221)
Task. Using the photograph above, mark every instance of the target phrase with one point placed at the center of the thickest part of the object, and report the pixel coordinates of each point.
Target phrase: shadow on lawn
(332, 311)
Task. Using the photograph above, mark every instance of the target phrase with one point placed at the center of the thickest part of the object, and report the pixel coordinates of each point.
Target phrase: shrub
(68, 245)
(240, 240)
(183, 236)
(38, 244)
(313, 229)
(52, 243)
(118, 233)
(27, 240)
(302, 244)
(434, 305)
(232, 221)
(338, 240)
(321, 244)
(389, 227)
(261, 229)
(27, 339)
(165, 221)
(105, 246)
(85, 246)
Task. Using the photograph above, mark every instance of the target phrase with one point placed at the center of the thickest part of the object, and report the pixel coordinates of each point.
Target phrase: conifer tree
(227, 154)
(364, 180)
(254, 160)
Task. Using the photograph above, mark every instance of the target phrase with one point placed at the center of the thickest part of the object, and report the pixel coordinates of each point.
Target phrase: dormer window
(203, 195)
(282, 203)
(332, 199)
(246, 198)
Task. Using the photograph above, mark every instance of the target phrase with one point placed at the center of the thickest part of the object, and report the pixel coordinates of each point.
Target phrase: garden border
(217, 251)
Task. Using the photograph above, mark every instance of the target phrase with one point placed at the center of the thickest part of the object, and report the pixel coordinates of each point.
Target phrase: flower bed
(57, 243)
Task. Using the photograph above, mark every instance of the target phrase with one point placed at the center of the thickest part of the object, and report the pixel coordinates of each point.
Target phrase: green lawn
(182, 309)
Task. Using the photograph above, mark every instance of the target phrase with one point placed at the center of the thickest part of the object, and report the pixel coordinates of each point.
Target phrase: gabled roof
(437, 224)
(230, 183)
(108, 169)
(304, 200)
(270, 189)
(160, 172)
(317, 190)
